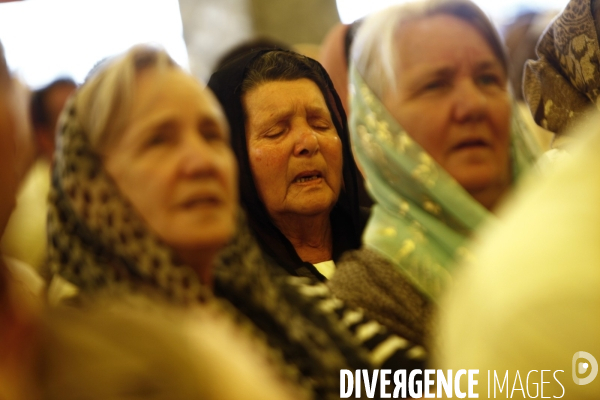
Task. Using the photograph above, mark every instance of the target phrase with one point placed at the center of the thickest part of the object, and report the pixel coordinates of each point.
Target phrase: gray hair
(104, 101)
(374, 47)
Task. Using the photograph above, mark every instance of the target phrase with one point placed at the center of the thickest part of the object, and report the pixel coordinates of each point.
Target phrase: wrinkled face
(452, 99)
(294, 150)
(174, 163)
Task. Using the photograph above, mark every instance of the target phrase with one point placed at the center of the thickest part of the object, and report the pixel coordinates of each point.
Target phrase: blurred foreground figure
(115, 352)
(530, 300)
(25, 236)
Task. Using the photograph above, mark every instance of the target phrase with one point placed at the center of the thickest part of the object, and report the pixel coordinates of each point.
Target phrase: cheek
(502, 123)
(145, 188)
(332, 151)
(431, 139)
(268, 163)
(422, 125)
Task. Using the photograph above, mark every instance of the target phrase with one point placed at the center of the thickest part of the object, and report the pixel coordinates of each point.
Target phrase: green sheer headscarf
(422, 218)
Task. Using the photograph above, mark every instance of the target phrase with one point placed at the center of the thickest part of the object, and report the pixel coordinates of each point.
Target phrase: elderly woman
(434, 130)
(144, 196)
(298, 179)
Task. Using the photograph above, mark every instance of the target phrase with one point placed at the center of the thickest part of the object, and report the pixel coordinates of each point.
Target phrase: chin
(481, 184)
(314, 204)
(479, 177)
(209, 236)
(315, 208)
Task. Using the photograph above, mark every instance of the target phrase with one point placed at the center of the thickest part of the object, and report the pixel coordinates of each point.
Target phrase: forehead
(274, 95)
(171, 88)
(441, 38)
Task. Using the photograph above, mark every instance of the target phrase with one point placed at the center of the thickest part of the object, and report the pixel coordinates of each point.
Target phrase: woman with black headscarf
(298, 179)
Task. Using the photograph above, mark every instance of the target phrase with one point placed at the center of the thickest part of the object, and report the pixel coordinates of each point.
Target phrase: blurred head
(164, 140)
(9, 106)
(294, 149)
(439, 68)
(17, 310)
(46, 106)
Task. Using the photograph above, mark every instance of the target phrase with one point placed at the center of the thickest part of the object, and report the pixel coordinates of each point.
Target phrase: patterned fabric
(368, 280)
(267, 287)
(423, 217)
(565, 81)
(100, 244)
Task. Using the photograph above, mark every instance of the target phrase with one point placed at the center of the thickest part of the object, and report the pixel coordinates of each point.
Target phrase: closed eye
(489, 79)
(157, 139)
(212, 135)
(319, 121)
(212, 131)
(274, 133)
(321, 126)
(161, 135)
(276, 130)
(436, 84)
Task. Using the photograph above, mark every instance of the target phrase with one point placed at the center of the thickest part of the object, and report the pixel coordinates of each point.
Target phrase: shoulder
(368, 280)
(368, 266)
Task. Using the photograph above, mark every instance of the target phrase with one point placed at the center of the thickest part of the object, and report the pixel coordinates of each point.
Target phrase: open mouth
(307, 177)
(202, 202)
(474, 143)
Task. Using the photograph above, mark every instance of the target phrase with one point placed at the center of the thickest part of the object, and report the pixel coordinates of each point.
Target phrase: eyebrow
(489, 64)
(160, 118)
(278, 116)
(449, 71)
(210, 121)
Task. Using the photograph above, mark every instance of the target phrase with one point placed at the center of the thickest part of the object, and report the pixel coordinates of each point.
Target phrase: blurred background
(47, 39)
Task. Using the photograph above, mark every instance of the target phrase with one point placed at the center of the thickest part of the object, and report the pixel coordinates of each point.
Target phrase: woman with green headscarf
(435, 131)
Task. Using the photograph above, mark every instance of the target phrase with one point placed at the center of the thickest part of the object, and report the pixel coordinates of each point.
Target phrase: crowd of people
(385, 207)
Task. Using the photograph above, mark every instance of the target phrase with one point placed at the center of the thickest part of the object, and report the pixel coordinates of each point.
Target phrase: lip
(471, 143)
(201, 200)
(308, 177)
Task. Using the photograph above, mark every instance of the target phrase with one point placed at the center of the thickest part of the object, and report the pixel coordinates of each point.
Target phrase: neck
(201, 261)
(489, 197)
(311, 236)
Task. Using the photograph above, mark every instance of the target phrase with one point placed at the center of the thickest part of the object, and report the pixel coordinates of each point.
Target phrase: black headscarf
(346, 218)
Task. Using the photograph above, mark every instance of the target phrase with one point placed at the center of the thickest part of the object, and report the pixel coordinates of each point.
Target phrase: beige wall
(294, 21)
(212, 27)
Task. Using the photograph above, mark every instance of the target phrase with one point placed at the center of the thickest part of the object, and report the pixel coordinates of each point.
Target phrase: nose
(470, 103)
(307, 143)
(197, 158)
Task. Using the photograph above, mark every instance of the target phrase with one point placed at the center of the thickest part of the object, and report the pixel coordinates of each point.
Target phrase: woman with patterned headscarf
(436, 134)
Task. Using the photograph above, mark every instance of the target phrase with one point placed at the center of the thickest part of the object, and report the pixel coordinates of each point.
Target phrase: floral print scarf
(564, 83)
